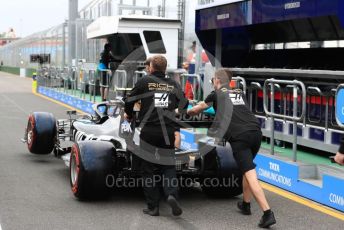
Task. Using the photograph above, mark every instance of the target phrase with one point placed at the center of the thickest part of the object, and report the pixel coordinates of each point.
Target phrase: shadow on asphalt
(39, 159)
(187, 195)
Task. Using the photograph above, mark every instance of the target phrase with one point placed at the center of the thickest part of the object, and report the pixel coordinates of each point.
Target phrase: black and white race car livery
(94, 147)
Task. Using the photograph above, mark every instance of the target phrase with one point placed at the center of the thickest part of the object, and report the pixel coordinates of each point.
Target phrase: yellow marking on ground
(304, 201)
(57, 102)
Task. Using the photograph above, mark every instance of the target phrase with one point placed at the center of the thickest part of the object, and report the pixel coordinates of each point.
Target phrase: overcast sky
(29, 16)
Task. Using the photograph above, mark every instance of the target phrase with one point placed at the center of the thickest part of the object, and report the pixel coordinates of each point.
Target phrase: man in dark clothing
(159, 97)
(105, 58)
(235, 123)
(339, 158)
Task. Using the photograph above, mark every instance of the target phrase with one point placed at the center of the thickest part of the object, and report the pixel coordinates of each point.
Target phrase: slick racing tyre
(226, 180)
(91, 164)
(41, 133)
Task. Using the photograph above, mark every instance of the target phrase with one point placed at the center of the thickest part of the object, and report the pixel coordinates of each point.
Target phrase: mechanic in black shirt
(159, 96)
(235, 123)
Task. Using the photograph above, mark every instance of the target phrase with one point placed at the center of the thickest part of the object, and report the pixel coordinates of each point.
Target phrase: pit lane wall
(75, 102)
(286, 175)
(278, 172)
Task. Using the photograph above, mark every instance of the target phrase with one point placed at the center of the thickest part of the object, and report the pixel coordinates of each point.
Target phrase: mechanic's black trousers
(155, 175)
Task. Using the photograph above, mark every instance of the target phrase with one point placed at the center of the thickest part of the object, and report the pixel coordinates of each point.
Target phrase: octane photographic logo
(160, 102)
(178, 182)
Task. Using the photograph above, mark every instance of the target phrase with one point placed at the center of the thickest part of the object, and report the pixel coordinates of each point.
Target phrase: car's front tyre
(41, 133)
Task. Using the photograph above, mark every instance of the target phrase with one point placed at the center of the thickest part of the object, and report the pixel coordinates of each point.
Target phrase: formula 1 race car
(95, 146)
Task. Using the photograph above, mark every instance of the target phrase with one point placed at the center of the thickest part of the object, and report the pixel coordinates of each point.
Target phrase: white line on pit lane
(0, 227)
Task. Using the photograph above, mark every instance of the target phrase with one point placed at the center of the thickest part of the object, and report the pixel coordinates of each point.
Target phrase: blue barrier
(286, 176)
(85, 106)
(188, 140)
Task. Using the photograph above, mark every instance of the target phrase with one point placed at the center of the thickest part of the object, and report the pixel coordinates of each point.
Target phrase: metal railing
(65, 78)
(42, 75)
(92, 80)
(333, 120)
(83, 80)
(105, 79)
(120, 82)
(51, 76)
(313, 93)
(241, 83)
(138, 75)
(73, 79)
(58, 79)
(255, 87)
(271, 113)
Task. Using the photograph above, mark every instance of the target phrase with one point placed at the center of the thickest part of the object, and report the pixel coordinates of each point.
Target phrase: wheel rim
(73, 170)
(29, 137)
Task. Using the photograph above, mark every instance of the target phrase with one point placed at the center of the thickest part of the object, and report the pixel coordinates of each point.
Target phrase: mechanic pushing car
(159, 96)
(235, 123)
(177, 141)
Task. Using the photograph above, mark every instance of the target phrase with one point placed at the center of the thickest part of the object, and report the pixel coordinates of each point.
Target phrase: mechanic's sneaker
(267, 219)
(151, 212)
(176, 209)
(244, 207)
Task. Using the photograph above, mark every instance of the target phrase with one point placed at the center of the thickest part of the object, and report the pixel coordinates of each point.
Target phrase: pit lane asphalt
(35, 191)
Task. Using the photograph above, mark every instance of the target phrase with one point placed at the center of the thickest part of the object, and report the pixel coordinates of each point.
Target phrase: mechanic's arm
(182, 102)
(208, 102)
(198, 108)
(339, 158)
(132, 98)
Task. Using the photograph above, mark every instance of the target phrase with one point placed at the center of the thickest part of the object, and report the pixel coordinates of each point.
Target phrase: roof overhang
(105, 26)
(102, 26)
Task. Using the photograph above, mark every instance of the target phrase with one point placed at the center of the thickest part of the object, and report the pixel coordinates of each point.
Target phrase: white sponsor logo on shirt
(236, 99)
(161, 100)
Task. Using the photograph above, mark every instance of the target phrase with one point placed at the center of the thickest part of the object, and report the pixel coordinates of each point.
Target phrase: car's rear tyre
(41, 133)
(91, 169)
(227, 180)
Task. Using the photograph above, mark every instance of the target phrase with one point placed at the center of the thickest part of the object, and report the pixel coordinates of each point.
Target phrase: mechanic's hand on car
(126, 117)
(339, 158)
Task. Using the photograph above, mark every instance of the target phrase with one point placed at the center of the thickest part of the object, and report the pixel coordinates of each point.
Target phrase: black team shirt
(159, 97)
(233, 116)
